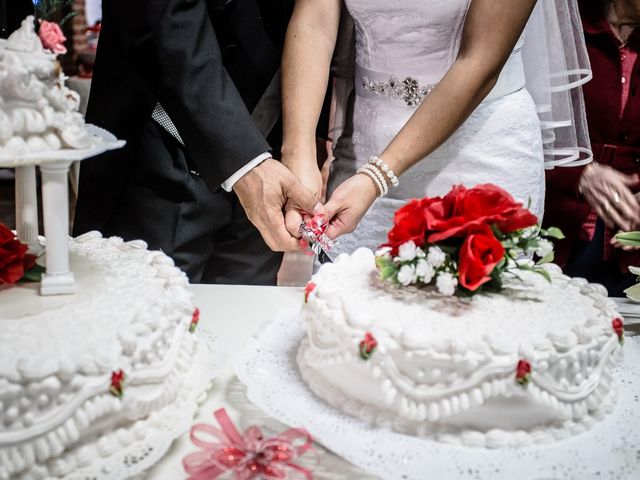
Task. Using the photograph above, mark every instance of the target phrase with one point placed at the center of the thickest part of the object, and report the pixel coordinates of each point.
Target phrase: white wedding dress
(500, 143)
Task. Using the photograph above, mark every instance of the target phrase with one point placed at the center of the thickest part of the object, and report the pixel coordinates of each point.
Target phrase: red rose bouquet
(15, 263)
(465, 241)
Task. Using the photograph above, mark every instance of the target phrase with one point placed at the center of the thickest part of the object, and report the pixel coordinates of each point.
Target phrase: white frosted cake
(38, 113)
(83, 376)
(530, 364)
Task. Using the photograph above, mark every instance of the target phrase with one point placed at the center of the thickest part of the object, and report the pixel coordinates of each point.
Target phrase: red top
(613, 114)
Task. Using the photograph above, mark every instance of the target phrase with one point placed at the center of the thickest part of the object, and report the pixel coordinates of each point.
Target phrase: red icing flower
(52, 37)
(117, 381)
(523, 373)
(479, 255)
(463, 209)
(308, 290)
(618, 327)
(367, 346)
(14, 260)
(195, 318)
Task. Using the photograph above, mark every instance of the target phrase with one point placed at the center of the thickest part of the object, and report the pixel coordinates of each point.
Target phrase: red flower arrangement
(15, 262)
(523, 373)
(367, 346)
(618, 328)
(463, 241)
(117, 383)
(195, 318)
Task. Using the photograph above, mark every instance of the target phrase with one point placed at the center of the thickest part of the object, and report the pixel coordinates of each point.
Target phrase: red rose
(14, 259)
(308, 290)
(409, 223)
(523, 372)
(463, 209)
(618, 328)
(367, 346)
(117, 383)
(195, 318)
(479, 255)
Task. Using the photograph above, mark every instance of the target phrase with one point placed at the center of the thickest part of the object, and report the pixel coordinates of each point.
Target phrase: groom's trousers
(210, 237)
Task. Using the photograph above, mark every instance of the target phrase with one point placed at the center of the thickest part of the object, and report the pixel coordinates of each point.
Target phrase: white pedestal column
(27, 208)
(55, 200)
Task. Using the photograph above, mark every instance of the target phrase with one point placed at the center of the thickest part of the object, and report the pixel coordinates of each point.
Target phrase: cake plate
(610, 449)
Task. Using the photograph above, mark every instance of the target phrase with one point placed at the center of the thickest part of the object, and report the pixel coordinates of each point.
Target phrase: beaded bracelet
(382, 165)
(381, 185)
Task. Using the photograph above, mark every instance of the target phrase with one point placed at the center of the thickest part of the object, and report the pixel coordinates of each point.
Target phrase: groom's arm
(177, 54)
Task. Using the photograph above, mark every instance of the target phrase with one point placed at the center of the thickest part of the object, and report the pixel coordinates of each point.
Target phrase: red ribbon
(248, 455)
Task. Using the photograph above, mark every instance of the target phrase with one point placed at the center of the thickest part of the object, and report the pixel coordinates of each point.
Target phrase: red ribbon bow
(248, 455)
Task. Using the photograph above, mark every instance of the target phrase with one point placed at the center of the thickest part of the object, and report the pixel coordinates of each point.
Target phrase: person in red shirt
(592, 203)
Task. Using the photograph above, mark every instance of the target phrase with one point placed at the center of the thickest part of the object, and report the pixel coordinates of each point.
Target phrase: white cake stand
(54, 166)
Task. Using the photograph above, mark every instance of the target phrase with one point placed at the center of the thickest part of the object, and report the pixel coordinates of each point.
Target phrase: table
(233, 313)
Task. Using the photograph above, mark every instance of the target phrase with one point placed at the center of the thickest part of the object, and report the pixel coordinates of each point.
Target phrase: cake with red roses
(461, 329)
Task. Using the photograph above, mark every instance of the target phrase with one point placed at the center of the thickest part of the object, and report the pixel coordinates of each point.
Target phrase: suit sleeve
(177, 53)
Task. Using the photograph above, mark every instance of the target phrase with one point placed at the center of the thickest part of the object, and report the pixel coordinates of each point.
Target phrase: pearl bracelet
(382, 165)
(382, 186)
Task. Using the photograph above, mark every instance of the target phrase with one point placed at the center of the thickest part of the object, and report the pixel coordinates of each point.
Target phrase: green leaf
(387, 272)
(548, 258)
(34, 274)
(630, 239)
(539, 271)
(552, 232)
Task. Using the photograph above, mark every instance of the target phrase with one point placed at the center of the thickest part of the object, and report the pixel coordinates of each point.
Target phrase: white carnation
(446, 283)
(544, 248)
(425, 271)
(407, 251)
(407, 275)
(436, 257)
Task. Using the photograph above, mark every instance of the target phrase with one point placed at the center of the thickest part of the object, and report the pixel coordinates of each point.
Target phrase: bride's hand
(309, 175)
(348, 204)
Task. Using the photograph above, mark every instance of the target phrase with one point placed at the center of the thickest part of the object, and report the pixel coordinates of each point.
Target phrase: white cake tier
(446, 366)
(131, 312)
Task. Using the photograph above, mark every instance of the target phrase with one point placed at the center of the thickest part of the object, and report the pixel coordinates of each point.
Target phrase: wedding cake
(96, 356)
(83, 376)
(38, 113)
(529, 362)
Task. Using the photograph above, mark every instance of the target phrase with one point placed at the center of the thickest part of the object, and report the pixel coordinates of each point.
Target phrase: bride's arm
(491, 30)
(309, 44)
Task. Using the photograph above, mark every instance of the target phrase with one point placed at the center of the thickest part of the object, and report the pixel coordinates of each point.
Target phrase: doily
(611, 449)
(165, 425)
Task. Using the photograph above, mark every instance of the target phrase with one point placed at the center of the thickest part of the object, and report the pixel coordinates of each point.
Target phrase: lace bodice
(412, 37)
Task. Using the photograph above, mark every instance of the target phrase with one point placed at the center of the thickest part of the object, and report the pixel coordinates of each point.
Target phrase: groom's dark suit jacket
(208, 63)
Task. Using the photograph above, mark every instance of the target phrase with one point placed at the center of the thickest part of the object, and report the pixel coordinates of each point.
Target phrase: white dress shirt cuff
(228, 185)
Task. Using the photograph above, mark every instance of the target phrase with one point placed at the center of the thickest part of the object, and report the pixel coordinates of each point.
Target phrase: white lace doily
(165, 425)
(611, 449)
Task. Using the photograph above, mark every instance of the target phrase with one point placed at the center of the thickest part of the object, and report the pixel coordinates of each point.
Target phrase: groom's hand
(264, 191)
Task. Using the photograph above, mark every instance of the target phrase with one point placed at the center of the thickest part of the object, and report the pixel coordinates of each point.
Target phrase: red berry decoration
(367, 346)
(117, 381)
(618, 327)
(308, 290)
(195, 318)
(523, 373)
